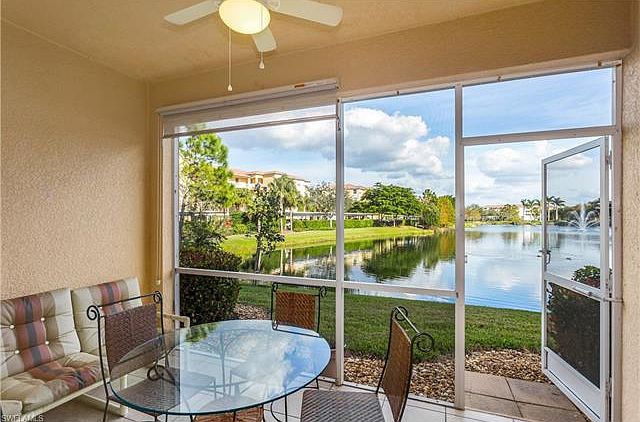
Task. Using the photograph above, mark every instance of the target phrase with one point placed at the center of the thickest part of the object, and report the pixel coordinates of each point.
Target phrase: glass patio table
(219, 367)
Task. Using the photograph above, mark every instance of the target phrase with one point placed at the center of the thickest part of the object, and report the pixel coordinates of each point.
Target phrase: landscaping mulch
(432, 379)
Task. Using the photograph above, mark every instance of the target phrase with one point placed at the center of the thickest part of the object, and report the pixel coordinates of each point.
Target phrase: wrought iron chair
(124, 330)
(395, 381)
(298, 310)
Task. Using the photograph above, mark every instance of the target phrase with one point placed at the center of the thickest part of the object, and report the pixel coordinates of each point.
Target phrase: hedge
(306, 225)
(208, 299)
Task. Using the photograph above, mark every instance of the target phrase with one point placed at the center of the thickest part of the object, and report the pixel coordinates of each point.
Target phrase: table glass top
(219, 367)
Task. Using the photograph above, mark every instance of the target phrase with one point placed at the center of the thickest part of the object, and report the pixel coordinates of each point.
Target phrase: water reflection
(503, 263)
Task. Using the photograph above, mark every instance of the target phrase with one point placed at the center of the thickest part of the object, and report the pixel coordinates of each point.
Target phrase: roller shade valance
(309, 100)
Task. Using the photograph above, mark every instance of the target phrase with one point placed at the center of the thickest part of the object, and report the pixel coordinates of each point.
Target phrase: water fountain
(583, 220)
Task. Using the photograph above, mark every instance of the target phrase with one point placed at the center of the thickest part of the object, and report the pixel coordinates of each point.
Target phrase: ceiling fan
(252, 17)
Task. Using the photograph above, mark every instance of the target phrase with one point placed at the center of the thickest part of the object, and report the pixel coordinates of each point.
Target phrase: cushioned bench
(49, 348)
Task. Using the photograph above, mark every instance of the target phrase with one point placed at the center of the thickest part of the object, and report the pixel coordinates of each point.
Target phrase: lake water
(502, 270)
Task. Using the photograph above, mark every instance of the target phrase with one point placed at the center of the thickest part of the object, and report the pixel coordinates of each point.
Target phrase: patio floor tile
(549, 414)
(79, 411)
(492, 404)
(489, 385)
(540, 394)
(416, 414)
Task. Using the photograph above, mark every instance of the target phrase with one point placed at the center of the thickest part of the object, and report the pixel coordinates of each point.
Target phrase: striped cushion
(44, 384)
(101, 294)
(36, 330)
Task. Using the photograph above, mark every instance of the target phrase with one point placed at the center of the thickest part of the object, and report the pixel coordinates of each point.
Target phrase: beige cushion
(100, 294)
(44, 384)
(35, 330)
(11, 408)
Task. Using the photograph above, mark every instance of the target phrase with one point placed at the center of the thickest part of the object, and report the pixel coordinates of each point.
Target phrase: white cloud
(393, 146)
(379, 142)
(499, 174)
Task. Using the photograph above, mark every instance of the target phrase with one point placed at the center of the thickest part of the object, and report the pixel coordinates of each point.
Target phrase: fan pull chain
(229, 87)
(261, 64)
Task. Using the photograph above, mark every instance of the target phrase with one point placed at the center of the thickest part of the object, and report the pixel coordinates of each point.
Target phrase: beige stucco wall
(74, 183)
(631, 231)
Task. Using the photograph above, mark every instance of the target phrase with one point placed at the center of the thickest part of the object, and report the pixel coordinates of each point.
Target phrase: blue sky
(408, 140)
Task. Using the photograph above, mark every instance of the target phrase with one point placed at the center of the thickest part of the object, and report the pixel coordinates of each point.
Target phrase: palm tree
(550, 204)
(535, 208)
(557, 203)
(526, 205)
(285, 188)
(242, 198)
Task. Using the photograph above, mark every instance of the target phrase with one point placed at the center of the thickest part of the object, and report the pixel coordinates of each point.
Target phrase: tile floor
(416, 411)
(519, 399)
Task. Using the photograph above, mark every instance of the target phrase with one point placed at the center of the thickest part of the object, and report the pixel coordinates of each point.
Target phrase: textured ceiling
(132, 37)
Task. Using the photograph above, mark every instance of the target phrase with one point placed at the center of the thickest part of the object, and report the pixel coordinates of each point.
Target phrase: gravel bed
(249, 312)
(432, 379)
(507, 363)
(436, 379)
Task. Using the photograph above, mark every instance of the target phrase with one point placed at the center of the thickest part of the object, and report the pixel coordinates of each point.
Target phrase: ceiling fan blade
(310, 10)
(264, 41)
(192, 13)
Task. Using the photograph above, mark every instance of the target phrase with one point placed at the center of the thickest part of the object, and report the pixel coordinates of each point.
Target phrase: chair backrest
(295, 308)
(396, 375)
(125, 328)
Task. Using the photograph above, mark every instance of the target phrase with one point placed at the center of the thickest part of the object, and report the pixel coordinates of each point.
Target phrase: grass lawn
(367, 321)
(246, 246)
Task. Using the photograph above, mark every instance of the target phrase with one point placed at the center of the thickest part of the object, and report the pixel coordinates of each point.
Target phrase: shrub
(305, 225)
(240, 223)
(356, 224)
(201, 232)
(208, 299)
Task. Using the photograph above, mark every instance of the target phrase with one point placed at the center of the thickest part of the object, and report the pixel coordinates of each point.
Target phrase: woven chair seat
(333, 406)
(161, 395)
(254, 414)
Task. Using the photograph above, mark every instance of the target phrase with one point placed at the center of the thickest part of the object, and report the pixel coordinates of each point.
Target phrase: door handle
(546, 254)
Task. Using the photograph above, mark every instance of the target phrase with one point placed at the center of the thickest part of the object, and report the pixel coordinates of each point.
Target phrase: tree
(322, 198)
(264, 213)
(285, 188)
(557, 204)
(473, 213)
(242, 198)
(446, 205)
(430, 209)
(526, 206)
(551, 201)
(392, 200)
(510, 213)
(535, 208)
(204, 175)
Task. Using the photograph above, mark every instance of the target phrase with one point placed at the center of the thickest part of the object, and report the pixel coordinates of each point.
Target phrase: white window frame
(614, 131)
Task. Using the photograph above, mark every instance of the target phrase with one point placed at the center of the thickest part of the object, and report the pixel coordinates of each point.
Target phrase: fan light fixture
(245, 16)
